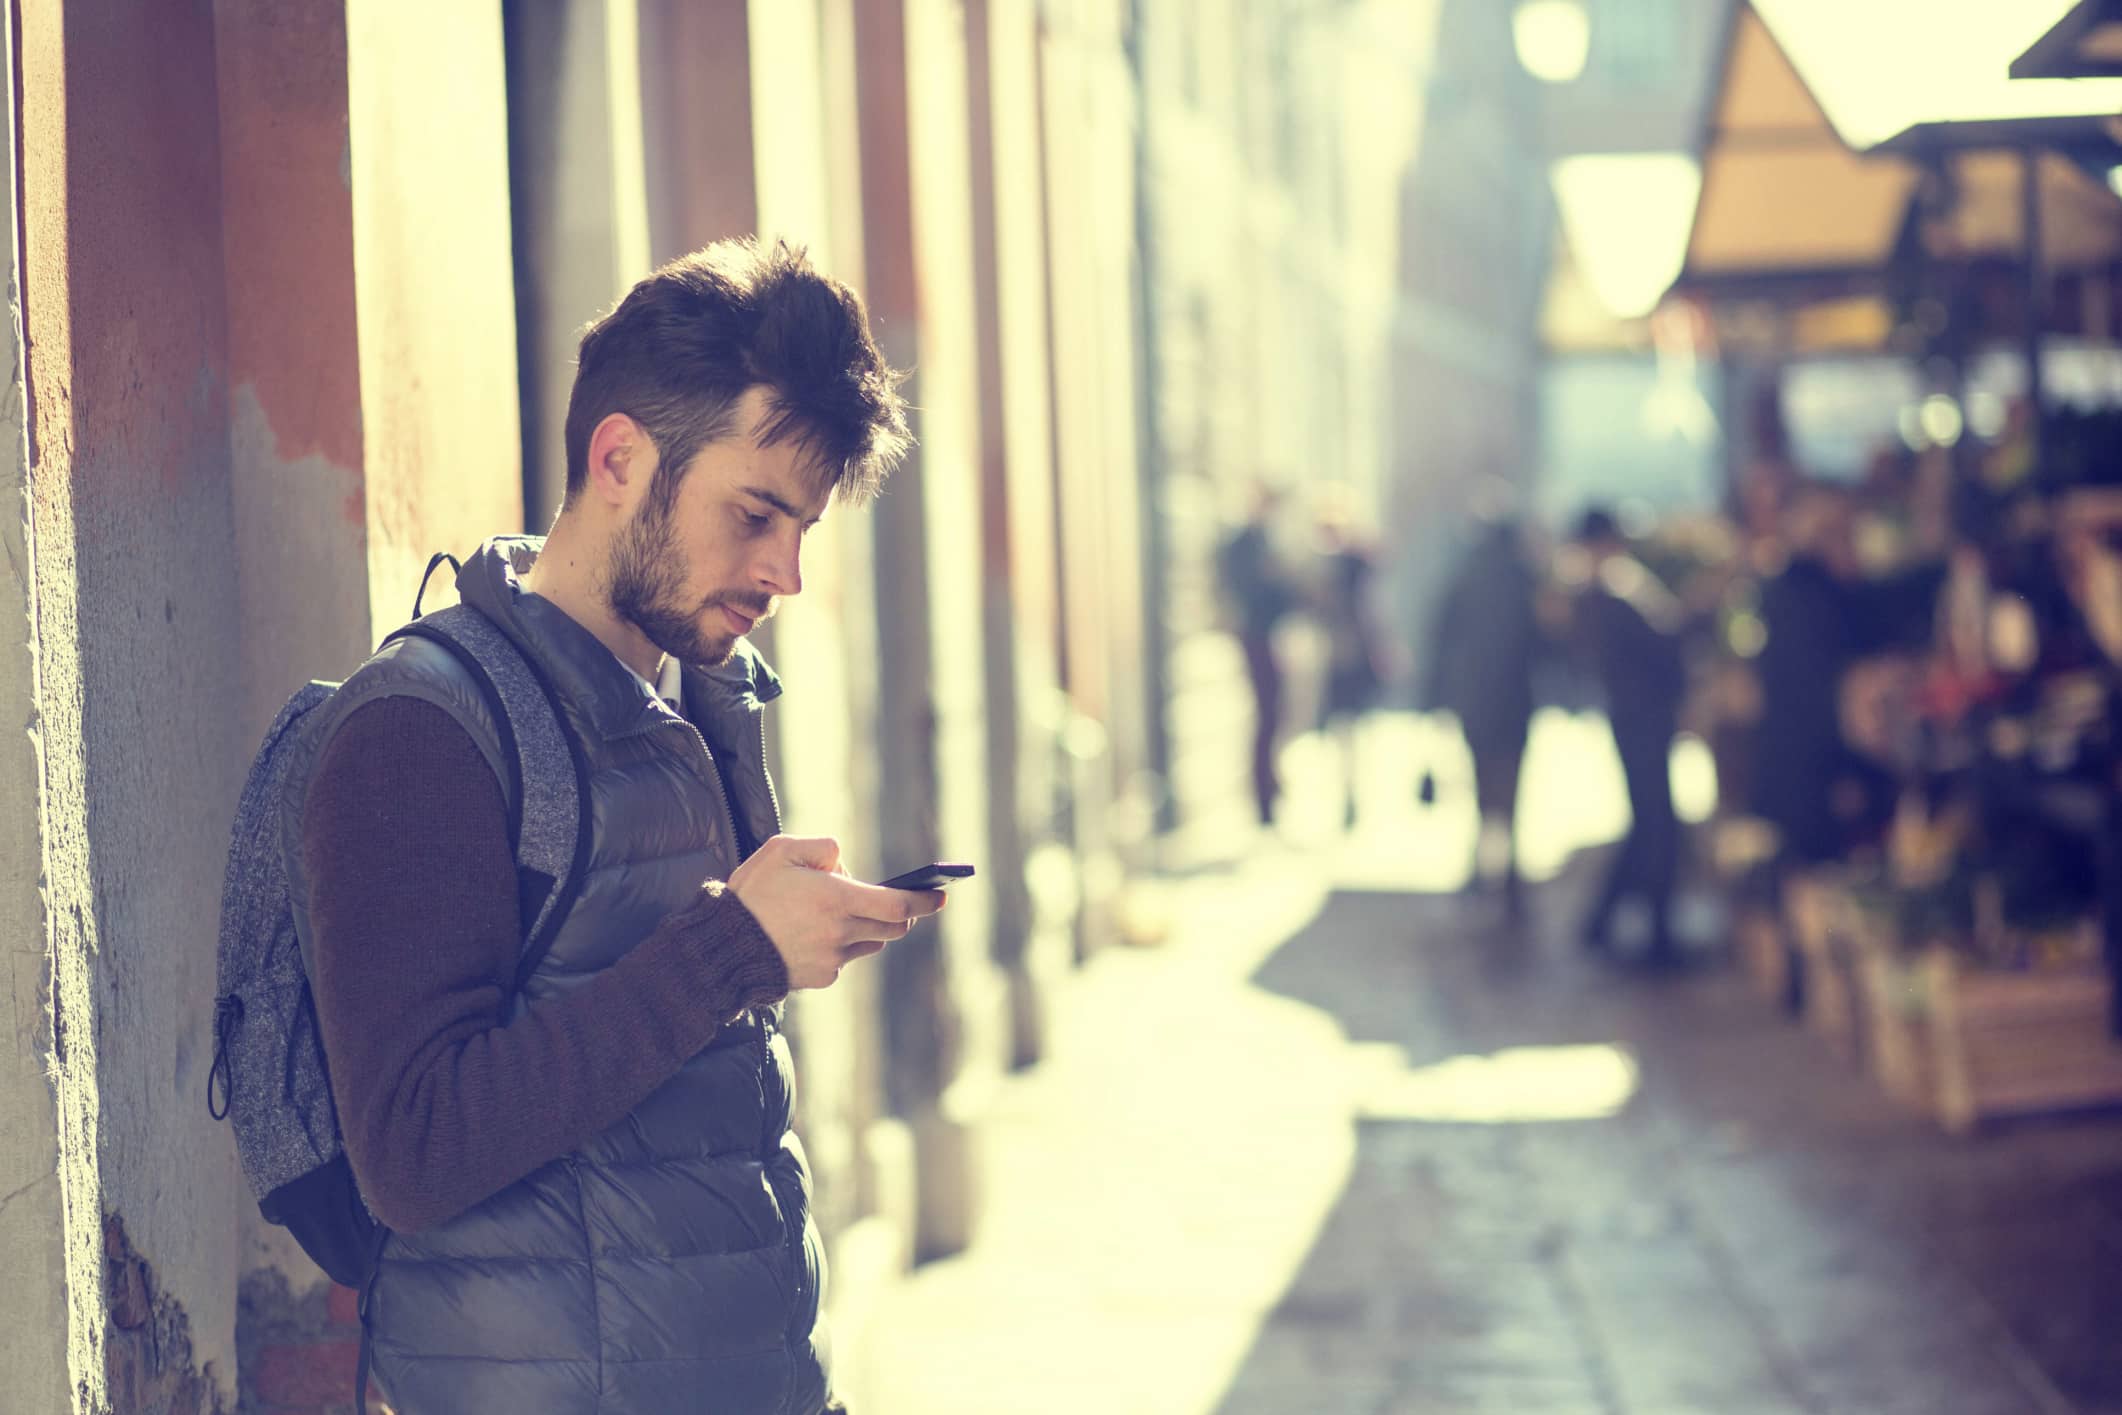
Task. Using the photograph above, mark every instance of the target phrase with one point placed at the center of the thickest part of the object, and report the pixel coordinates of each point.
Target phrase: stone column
(944, 1007)
(1034, 894)
(579, 202)
(696, 123)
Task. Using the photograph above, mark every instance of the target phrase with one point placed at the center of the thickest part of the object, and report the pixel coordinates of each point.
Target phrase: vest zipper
(773, 797)
(714, 770)
(790, 1219)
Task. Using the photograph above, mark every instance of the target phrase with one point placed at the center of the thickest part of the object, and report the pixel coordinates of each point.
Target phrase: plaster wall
(137, 648)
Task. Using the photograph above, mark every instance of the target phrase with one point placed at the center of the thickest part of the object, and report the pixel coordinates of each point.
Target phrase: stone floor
(1353, 1151)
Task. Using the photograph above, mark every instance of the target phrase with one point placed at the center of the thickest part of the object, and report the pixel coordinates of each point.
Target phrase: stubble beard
(645, 585)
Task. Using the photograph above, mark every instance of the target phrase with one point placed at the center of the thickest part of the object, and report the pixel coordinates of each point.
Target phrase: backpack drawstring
(228, 1013)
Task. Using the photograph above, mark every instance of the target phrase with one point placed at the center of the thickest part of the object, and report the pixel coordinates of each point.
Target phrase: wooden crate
(2019, 1043)
(1967, 1045)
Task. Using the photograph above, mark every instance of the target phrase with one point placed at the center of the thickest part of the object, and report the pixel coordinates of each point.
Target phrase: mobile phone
(934, 876)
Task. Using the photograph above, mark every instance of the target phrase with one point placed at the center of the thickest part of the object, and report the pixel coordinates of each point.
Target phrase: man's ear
(622, 460)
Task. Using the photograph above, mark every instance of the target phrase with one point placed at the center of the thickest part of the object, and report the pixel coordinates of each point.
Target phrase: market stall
(1925, 865)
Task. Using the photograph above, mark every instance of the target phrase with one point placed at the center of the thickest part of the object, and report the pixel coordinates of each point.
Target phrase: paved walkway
(1356, 1152)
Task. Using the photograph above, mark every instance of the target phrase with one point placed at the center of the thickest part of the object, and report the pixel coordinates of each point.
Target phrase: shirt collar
(669, 684)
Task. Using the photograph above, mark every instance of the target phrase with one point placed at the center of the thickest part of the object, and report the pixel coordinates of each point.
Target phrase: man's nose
(780, 567)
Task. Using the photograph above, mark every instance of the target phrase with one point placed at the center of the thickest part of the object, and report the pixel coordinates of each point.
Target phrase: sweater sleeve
(413, 905)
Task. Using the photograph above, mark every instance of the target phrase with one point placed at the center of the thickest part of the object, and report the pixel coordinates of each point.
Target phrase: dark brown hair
(688, 341)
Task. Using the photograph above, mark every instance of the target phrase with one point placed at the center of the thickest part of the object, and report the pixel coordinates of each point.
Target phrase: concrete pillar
(433, 287)
(297, 482)
(696, 124)
(246, 436)
(1016, 479)
(372, 379)
(580, 207)
(136, 644)
(1087, 100)
(944, 1007)
(33, 1341)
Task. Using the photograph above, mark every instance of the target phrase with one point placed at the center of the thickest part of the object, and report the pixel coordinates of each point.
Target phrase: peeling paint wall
(295, 436)
(137, 649)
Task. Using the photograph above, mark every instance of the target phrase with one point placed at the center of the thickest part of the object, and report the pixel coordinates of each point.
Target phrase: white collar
(669, 684)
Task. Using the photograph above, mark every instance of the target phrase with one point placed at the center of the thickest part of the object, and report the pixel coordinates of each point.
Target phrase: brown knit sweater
(413, 908)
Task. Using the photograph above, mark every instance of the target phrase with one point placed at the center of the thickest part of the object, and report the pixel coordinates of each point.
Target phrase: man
(1481, 671)
(1629, 627)
(1258, 591)
(594, 1200)
(1822, 618)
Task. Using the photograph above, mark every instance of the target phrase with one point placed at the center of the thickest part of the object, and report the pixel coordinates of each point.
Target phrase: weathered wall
(434, 297)
(297, 490)
(294, 372)
(135, 581)
(33, 1338)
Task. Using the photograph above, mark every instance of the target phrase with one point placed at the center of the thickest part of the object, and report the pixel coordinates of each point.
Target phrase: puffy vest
(669, 1266)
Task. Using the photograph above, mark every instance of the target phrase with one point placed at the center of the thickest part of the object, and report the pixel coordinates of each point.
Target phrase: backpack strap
(547, 789)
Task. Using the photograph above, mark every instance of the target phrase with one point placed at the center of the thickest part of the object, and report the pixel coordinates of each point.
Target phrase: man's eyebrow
(794, 513)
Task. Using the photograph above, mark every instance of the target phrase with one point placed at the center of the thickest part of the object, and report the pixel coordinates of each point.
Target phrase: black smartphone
(934, 876)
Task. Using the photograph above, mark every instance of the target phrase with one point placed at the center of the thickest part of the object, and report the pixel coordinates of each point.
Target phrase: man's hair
(692, 338)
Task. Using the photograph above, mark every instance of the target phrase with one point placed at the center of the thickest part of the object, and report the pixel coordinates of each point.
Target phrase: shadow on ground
(1755, 1229)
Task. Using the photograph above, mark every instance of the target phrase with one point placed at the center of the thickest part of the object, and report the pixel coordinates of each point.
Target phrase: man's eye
(754, 521)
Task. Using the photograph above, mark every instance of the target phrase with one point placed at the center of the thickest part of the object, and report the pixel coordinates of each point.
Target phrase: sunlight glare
(1518, 1085)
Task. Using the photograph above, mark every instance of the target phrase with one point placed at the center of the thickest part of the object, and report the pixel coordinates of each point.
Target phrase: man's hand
(817, 917)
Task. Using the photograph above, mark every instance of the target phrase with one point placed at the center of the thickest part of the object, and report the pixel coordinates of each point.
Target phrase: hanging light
(1553, 38)
(1627, 216)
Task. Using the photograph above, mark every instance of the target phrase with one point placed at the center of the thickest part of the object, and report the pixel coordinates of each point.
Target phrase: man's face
(697, 577)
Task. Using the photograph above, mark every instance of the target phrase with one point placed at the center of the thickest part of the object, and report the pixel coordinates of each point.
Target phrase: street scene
(1172, 707)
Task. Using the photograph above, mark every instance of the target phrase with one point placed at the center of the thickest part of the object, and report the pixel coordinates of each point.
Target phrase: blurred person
(610, 1133)
(1628, 627)
(1258, 591)
(1484, 650)
(1354, 676)
(1820, 619)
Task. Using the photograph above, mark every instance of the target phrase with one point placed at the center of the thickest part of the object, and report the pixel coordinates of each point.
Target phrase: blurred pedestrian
(1821, 617)
(1258, 591)
(1628, 626)
(1354, 673)
(1483, 653)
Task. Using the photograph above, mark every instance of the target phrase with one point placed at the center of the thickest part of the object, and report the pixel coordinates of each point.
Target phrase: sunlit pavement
(1337, 1146)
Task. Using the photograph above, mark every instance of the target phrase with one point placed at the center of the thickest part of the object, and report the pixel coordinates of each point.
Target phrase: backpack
(269, 1076)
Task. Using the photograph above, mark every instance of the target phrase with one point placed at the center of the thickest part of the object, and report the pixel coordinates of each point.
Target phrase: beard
(645, 585)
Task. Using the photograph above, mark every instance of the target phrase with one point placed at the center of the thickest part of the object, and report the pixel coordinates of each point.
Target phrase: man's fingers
(874, 901)
(860, 948)
(878, 931)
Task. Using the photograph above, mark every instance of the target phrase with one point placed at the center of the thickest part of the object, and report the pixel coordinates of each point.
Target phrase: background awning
(2085, 43)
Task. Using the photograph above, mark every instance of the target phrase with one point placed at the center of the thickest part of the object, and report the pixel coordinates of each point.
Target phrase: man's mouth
(740, 622)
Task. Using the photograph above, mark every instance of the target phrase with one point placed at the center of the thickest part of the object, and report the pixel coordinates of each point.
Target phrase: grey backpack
(269, 1076)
